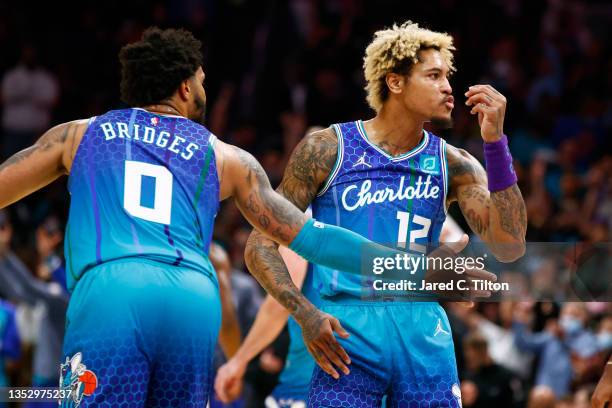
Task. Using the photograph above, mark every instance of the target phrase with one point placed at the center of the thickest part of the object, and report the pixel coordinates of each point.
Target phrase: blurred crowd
(274, 68)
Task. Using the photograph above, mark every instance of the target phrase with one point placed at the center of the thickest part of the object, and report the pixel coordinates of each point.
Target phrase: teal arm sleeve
(339, 248)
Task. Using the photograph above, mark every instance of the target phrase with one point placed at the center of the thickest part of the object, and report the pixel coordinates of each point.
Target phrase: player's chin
(444, 121)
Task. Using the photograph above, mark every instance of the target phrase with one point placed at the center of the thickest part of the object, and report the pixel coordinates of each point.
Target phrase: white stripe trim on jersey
(337, 164)
(401, 157)
(444, 172)
(211, 140)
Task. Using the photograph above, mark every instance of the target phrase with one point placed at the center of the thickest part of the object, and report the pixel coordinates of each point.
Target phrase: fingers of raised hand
(481, 274)
(488, 90)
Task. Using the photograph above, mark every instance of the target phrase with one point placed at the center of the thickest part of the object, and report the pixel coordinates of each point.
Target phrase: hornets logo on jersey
(396, 201)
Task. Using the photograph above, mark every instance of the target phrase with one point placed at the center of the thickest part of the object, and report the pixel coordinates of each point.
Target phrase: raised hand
(490, 106)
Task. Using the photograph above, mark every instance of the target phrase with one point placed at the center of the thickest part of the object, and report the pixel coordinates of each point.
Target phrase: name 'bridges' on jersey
(150, 135)
(142, 185)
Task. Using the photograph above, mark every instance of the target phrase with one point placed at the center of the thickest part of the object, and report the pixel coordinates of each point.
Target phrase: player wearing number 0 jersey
(144, 315)
(392, 181)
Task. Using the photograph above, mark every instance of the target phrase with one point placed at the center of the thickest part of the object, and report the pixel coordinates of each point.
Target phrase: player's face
(429, 93)
(198, 108)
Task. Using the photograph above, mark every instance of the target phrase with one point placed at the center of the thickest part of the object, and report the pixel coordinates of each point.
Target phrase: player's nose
(446, 87)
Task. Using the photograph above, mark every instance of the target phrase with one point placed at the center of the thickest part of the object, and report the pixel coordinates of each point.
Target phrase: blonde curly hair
(396, 49)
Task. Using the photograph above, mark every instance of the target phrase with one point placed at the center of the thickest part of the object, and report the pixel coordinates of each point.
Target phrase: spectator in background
(556, 345)
(604, 334)
(487, 384)
(19, 285)
(50, 267)
(498, 334)
(29, 93)
(10, 344)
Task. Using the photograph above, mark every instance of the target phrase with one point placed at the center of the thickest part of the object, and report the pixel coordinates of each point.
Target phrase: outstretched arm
(35, 167)
(278, 221)
(270, 320)
(490, 200)
(229, 334)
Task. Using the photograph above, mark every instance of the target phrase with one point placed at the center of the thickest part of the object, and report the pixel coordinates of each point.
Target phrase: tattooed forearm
(18, 157)
(476, 221)
(511, 207)
(307, 169)
(469, 187)
(38, 165)
(52, 138)
(267, 266)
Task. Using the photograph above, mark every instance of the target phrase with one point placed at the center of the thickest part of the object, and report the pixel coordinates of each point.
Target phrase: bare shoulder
(309, 167)
(73, 133)
(230, 157)
(314, 156)
(463, 169)
(237, 168)
(58, 144)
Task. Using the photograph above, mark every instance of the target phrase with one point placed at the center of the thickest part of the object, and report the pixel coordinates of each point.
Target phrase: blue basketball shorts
(140, 334)
(399, 350)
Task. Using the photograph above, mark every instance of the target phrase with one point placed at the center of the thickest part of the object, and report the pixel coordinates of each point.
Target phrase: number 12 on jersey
(161, 209)
(402, 235)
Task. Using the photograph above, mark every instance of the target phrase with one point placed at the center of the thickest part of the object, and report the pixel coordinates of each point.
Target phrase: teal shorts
(399, 350)
(141, 333)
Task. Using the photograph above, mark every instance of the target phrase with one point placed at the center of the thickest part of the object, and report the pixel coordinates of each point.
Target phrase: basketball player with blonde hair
(391, 181)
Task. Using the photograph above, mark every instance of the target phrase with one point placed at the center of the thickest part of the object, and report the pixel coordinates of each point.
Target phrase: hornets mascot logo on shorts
(76, 381)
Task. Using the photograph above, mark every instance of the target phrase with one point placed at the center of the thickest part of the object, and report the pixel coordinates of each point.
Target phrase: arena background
(275, 68)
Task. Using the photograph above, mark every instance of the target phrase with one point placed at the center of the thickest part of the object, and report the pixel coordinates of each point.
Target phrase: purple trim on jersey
(94, 202)
(179, 254)
(171, 242)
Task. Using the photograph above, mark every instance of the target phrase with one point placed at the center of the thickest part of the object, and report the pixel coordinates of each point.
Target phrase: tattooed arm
(35, 167)
(278, 221)
(499, 218)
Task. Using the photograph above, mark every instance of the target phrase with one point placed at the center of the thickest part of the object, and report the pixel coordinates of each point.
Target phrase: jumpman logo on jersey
(439, 329)
(362, 160)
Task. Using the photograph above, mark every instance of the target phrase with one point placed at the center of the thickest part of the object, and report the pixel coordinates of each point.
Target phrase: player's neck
(394, 131)
(165, 107)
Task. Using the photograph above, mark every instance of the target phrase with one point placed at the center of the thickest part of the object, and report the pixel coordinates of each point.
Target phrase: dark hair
(153, 68)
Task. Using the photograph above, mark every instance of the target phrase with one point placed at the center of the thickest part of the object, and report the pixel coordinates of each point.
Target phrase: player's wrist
(240, 360)
(498, 159)
(493, 138)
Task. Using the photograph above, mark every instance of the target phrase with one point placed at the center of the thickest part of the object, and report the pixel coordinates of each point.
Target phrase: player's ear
(184, 90)
(395, 82)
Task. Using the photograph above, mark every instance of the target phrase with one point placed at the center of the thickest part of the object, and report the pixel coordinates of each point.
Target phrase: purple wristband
(498, 159)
